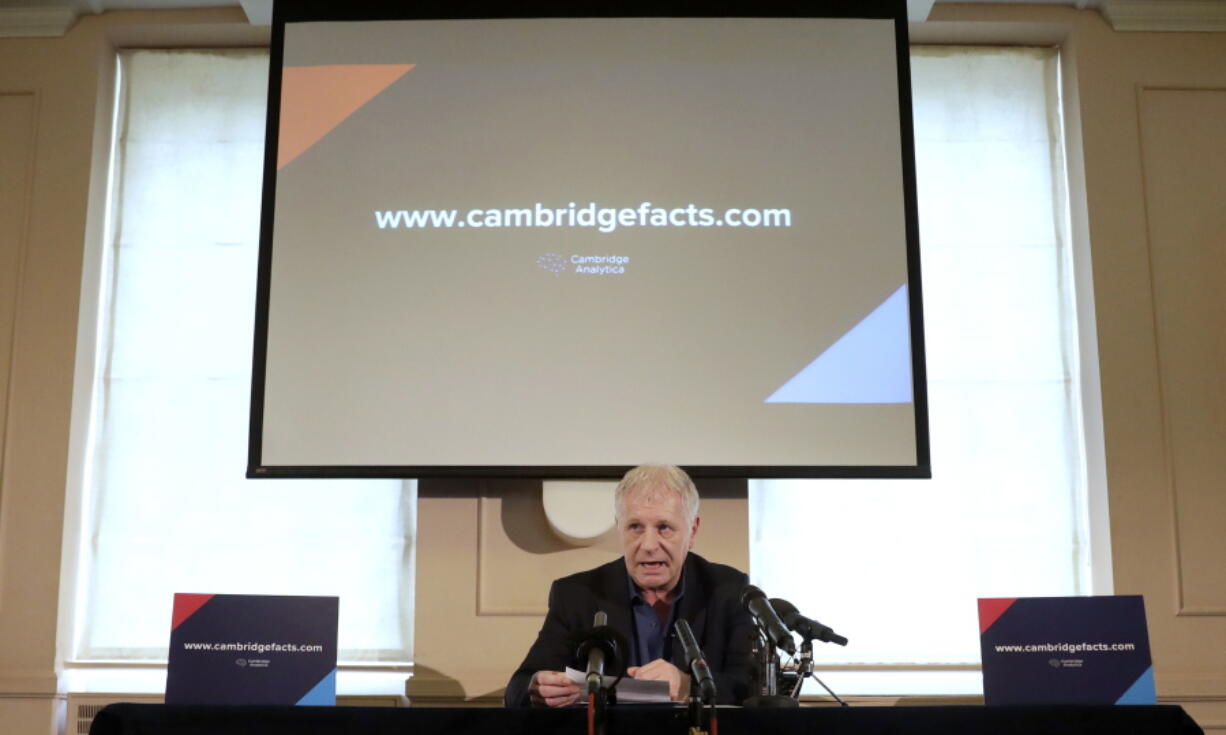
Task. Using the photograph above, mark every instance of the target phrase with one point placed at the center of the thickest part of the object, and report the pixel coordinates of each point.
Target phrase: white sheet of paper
(628, 690)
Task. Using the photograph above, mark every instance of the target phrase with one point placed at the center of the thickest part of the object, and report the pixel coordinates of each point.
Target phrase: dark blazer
(711, 605)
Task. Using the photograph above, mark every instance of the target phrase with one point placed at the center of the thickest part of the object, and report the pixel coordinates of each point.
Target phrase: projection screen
(562, 246)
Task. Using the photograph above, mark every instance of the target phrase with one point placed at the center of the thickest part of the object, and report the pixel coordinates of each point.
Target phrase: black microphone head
(695, 660)
(809, 629)
(784, 610)
(751, 593)
(791, 617)
(610, 641)
(685, 634)
(754, 600)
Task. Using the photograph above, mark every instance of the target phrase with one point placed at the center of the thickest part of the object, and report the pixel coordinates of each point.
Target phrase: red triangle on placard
(186, 605)
(315, 99)
(990, 610)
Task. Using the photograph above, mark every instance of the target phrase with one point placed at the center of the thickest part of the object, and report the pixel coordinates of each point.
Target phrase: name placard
(1065, 650)
(252, 649)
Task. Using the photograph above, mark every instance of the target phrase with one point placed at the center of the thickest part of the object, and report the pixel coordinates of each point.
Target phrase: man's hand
(553, 688)
(661, 670)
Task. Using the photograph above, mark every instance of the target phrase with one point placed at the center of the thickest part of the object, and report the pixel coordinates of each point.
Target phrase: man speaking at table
(657, 582)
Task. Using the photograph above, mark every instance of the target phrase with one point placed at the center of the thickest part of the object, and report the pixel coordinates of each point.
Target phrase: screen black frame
(295, 11)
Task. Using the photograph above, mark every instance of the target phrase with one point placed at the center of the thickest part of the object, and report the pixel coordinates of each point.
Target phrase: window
(165, 506)
(896, 566)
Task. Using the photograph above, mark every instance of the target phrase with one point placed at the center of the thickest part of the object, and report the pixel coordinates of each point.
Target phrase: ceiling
(99, 6)
(257, 7)
(29, 16)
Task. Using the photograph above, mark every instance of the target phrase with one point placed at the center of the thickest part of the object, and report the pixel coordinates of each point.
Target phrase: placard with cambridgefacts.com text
(1065, 650)
(252, 649)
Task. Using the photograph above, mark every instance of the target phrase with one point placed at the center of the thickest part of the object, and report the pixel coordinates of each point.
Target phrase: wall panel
(1183, 142)
(17, 113)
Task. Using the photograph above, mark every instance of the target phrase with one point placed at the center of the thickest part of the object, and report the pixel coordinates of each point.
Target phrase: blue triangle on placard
(1141, 691)
(322, 694)
(871, 363)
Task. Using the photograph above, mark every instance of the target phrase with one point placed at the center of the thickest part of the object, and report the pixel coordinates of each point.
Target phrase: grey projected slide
(581, 242)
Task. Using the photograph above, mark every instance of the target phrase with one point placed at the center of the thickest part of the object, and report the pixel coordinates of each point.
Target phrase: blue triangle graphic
(1141, 691)
(869, 364)
(322, 694)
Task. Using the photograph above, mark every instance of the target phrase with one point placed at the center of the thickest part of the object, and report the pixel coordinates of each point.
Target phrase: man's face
(655, 537)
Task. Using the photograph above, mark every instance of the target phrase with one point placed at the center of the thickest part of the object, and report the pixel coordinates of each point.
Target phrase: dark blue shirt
(652, 639)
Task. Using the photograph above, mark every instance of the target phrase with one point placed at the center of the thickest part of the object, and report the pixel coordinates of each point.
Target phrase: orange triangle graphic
(990, 610)
(186, 605)
(315, 99)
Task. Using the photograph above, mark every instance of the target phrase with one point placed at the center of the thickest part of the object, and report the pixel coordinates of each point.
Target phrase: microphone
(695, 660)
(755, 600)
(595, 657)
(601, 649)
(809, 629)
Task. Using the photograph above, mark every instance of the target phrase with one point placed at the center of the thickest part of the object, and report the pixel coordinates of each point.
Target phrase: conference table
(153, 719)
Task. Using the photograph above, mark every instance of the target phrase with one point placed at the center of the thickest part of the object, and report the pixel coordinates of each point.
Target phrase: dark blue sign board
(1065, 650)
(252, 649)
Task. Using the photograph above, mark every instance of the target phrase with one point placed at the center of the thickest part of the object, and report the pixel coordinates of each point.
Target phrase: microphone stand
(703, 720)
(597, 694)
(803, 670)
(597, 705)
(597, 708)
(767, 674)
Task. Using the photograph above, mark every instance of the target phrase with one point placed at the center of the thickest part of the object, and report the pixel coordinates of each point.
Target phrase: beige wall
(48, 91)
(1149, 108)
(54, 95)
(1159, 235)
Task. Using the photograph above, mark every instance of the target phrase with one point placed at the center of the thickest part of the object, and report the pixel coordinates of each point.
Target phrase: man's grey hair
(653, 477)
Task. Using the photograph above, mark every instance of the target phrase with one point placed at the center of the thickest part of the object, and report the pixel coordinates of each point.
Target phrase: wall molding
(28, 684)
(1209, 713)
(15, 144)
(1192, 687)
(1196, 16)
(1195, 611)
(36, 22)
(487, 604)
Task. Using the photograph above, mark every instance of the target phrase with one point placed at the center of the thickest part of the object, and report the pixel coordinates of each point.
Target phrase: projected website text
(603, 219)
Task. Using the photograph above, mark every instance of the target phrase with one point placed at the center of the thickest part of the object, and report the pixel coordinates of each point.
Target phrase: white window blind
(166, 506)
(896, 566)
